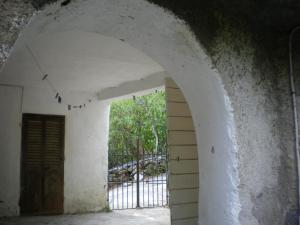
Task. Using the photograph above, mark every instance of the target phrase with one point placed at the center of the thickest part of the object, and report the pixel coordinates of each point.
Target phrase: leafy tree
(142, 118)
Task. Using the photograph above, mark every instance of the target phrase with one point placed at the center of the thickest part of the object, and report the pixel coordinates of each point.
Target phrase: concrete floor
(157, 216)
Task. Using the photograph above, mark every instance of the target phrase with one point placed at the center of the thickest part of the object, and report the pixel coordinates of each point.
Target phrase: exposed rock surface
(248, 44)
(14, 17)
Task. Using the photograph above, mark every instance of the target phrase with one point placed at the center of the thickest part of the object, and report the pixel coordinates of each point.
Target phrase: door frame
(22, 176)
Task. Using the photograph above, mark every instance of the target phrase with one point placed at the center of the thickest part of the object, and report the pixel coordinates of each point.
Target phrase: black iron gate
(139, 181)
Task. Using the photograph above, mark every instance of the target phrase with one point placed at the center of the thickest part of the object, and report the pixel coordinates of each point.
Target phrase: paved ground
(157, 216)
(153, 193)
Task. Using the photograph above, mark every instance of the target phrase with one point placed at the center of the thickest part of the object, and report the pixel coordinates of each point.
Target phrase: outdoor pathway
(157, 216)
(153, 193)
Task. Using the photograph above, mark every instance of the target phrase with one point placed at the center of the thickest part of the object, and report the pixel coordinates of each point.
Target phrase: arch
(168, 41)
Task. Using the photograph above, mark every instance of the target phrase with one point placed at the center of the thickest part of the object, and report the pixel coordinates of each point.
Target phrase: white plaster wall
(86, 134)
(169, 42)
(86, 159)
(10, 136)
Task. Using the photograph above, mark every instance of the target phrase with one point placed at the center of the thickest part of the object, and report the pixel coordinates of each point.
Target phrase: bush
(143, 120)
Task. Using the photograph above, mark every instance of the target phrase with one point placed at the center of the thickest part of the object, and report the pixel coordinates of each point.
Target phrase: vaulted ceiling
(77, 61)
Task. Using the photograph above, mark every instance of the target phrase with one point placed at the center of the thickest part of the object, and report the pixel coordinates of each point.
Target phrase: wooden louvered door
(42, 164)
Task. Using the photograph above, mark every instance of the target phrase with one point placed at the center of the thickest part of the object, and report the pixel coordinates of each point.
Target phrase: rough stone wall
(254, 69)
(251, 56)
(258, 86)
(15, 14)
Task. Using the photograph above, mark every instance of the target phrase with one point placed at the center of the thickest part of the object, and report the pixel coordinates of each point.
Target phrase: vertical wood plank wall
(183, 158)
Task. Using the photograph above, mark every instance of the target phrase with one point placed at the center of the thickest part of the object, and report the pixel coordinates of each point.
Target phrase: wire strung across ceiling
(57, 95)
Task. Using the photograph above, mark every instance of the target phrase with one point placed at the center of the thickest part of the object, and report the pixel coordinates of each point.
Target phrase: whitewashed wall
(168, 41)
(85, 148)
(10, 145)
(86, 161)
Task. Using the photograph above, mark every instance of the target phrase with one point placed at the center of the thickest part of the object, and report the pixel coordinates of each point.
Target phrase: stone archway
(168, 41)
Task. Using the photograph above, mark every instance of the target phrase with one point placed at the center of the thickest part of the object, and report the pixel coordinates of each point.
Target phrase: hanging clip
(45, 76)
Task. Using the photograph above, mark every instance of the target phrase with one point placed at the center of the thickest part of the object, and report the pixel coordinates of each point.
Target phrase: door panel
(53, 166)
(32, 166)
(42, 164)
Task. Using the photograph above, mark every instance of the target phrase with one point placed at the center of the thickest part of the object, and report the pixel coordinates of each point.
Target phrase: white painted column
(86, 159)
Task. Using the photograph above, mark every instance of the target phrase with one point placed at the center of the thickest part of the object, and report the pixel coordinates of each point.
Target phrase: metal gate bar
(139, 181)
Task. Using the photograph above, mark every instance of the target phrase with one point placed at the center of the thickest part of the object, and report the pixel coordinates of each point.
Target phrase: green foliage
(142, 118)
